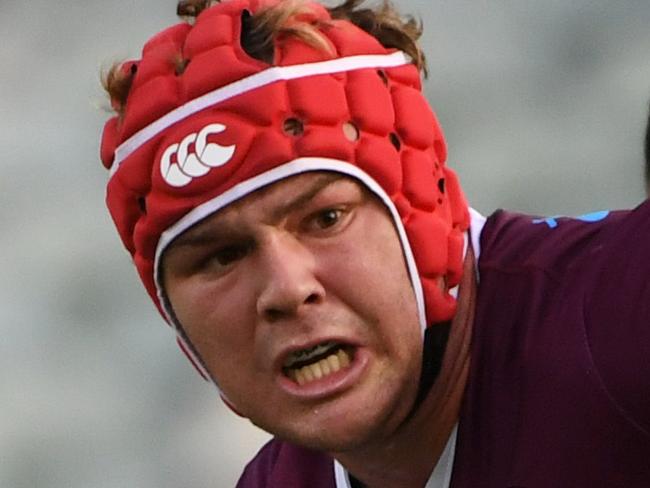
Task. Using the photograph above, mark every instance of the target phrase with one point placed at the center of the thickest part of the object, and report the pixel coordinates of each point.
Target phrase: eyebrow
(300, 200)
(199, 237)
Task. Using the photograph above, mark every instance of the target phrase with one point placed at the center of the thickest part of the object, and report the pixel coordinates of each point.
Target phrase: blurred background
(544, 104)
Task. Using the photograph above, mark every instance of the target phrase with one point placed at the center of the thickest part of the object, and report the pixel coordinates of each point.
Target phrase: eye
(228, 255)
(328, 218)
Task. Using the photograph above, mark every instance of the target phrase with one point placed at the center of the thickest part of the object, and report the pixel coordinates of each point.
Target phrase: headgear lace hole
(384, 77)
(181, 66)
(351, 132)
(394, 140)
(293, 127)
(142, 205)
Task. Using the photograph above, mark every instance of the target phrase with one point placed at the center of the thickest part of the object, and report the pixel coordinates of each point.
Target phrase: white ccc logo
(190, 165)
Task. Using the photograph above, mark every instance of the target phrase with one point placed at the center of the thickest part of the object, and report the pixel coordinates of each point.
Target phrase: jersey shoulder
(512, 241)
(598, 265)
(280, 464)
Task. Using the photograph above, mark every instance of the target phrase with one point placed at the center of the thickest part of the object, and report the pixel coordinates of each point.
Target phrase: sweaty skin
(292, 275)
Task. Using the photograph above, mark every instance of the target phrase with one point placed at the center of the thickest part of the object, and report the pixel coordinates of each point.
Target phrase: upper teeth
(307, 354)
(317, 370)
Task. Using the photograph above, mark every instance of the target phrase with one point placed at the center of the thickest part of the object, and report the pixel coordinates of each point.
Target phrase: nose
(287, 278)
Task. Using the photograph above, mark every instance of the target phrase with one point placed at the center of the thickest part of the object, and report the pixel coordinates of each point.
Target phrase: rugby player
(281, 183)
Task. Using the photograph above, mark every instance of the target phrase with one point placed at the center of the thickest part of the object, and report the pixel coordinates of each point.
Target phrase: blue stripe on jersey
(589, 218)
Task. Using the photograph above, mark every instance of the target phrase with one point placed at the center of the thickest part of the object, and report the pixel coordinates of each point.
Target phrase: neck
(407, 458)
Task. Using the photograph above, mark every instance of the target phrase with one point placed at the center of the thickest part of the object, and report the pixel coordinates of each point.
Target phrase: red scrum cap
(191, 143)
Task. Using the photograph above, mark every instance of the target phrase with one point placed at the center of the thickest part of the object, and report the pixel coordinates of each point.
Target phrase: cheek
(373, 281)
(370, 266)
(217, 322)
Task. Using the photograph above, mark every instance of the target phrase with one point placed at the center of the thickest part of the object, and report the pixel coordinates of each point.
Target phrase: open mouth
(314, 363)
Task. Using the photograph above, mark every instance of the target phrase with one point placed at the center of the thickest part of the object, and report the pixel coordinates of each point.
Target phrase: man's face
(298, 301)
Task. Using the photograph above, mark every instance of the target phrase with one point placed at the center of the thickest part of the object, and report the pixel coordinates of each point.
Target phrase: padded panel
(350, 40)
(175, 35)
(120, 202)
(405, 75)
(211, 69)
(269, 149)
(370, 102)
(212, 31)
(255, 107)
(377, 157)
(428, 236)
(413, 117)
(109, 142)
(420, 186)
(159, 63)
(306, 97)
(142, 108)
(459, 211)
(324, 141)
(290, 51)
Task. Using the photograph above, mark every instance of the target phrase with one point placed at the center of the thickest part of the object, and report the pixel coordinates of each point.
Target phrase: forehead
(273, 201)
(303, 186)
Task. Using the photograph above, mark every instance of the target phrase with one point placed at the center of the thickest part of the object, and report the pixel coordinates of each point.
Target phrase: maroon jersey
(559, 388)
(559, 394)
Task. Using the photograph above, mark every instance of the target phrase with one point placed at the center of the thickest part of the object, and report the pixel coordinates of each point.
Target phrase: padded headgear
(191, 143)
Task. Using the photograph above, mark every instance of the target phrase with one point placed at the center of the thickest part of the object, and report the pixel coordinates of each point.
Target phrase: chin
(328, 439)
(341, 427)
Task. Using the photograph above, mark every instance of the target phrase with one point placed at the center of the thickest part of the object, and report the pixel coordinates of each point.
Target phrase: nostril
(280, 311)
(273, 315)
